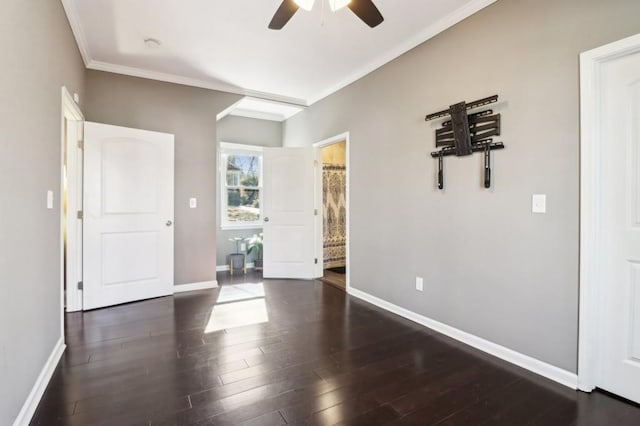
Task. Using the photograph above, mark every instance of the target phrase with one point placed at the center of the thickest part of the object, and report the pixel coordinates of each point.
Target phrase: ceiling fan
(364, 9)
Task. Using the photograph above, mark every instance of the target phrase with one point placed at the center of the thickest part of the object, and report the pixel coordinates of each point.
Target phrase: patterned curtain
(335, 215)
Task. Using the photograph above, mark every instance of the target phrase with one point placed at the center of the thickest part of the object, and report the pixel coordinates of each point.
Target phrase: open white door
(620, 245)
(72, 128)
(289, 213)
(128, 215)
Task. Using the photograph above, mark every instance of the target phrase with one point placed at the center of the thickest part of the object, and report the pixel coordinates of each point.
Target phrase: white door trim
(69, 111)
(591, 145)
(318, 188)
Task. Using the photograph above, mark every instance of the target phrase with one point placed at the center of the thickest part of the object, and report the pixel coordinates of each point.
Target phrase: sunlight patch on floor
(232, 293)
(238, 306)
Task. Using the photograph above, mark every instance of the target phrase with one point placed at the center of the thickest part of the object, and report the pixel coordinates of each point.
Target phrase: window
(241, 186)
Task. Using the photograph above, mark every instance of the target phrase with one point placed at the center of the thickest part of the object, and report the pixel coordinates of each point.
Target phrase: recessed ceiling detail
(226, 45)
(261, 109)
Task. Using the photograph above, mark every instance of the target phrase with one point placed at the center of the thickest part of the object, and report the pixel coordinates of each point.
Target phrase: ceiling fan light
(305, 4)
(338, 4)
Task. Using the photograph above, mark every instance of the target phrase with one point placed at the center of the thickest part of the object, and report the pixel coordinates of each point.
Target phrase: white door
(128, 215)
(620, 319)
(288, 213)
(73, 125)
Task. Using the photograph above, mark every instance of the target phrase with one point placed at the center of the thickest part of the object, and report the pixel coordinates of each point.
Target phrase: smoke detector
(152, 43)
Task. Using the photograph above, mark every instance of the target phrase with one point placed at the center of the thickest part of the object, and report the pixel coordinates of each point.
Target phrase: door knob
(169, 223)
(266, 219)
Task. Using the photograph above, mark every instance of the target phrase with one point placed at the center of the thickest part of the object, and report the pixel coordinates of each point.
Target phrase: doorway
(332, 207)
(116, 227)
(71, 204)
(609, 334)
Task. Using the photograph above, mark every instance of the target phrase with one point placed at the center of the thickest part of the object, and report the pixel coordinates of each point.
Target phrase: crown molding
(76, 29)
(259, 115)
(262, 109)
(187, 81)
(436, 28)
(431, 31)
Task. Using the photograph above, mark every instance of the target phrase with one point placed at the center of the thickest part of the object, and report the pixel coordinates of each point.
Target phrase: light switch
(193, 203)
(49, 199)
(539, 203)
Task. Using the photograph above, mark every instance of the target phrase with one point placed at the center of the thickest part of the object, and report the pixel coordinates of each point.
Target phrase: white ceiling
(226, 45)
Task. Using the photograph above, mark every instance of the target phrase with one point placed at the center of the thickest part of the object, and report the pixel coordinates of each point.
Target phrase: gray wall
(190, 114)
(491, 267)
(250, 131)
(39, 57)
(247, 131)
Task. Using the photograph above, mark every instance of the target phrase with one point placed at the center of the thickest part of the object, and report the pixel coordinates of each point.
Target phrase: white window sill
(241, 226)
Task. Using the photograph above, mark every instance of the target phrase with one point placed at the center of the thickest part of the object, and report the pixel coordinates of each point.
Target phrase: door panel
(133, 164)
(290, 244)
(128, 215)
(620, 327)
(635, 313)
(288, 212)
(121, 262)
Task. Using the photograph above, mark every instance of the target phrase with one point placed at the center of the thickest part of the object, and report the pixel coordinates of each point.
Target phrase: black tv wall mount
(467, 133)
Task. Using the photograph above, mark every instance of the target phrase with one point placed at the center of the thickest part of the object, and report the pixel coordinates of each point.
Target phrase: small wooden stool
(244, 262)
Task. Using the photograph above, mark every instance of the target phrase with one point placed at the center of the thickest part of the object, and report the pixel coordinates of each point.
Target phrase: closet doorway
(332, 205)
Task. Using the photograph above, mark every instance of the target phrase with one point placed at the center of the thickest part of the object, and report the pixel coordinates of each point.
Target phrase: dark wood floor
(321, 358)
(335, 279)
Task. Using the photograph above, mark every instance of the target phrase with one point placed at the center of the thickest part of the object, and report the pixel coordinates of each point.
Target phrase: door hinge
(80, 285)
(315, 212)
(80, 144)
(315, 261)
(80, 215)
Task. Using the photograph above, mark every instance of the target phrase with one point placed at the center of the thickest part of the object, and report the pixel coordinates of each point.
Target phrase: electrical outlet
(193, 203)
(419, 284)
(243, 246)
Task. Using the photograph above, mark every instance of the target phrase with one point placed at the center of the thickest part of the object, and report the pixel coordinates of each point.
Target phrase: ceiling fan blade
(287, 9)
(367, 11)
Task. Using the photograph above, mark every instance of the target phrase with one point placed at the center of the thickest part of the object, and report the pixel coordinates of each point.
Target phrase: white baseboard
(32, 401)
(222, 268)
(542, 368)
(204, 285)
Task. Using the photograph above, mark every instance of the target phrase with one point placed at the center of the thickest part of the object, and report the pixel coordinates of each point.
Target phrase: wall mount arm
(470, 105)
(465, 134)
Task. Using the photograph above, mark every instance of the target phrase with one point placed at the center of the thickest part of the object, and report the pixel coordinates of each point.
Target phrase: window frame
(225, 149)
